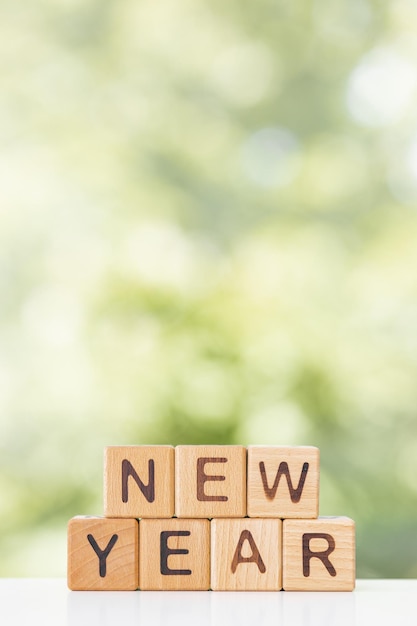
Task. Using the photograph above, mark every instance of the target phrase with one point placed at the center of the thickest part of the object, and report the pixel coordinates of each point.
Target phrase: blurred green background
(208, 234)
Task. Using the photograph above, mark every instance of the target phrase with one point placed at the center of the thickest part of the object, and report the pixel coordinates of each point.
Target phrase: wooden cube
(103, 554)
(210, 481)
(319, 555)
(174, 554)
(246, 554)
(139, 481)
(283, 481)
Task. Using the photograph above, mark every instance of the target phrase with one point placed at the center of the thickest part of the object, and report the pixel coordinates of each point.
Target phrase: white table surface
(44, 602)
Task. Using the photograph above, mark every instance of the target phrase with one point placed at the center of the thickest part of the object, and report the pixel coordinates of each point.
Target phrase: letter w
(284, 470)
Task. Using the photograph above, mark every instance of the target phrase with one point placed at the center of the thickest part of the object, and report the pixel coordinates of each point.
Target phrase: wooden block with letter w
(283, 481)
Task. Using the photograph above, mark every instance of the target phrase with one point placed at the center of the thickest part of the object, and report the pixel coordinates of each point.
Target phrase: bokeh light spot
(380, 88)
(270, 157)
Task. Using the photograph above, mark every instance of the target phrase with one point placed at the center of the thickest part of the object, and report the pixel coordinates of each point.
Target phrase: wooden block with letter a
(283, 481)
(103, 554)
(174, 554)
(210, 481)
(139, 481)
(246, 554)
(319, 554)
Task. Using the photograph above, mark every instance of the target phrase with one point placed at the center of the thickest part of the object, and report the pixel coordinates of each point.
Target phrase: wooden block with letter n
(319, 555)
(103, 554)
(246, 554)
(174, 554)
(283, 481)
(210, 481)
(139, 481)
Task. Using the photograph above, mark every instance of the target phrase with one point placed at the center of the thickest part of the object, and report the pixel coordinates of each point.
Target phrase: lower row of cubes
(245, 554)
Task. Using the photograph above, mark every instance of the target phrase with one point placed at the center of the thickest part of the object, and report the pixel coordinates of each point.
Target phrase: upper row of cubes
(211, 481)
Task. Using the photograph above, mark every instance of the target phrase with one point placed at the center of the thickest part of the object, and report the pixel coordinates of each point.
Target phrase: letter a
(255, 557)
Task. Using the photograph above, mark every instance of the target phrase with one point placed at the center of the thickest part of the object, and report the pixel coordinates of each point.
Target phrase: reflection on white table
(44, 602)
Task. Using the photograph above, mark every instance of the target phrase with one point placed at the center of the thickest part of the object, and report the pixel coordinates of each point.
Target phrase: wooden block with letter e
(210, 481)
(319, 554)
(139, 481)
(103, 554)
(246, 554)
(174, 554)
(283, 481)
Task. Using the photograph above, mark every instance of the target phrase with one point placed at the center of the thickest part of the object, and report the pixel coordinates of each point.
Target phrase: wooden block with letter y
(174, 554)
(246, 554)
(210, 481)
(139, 481)
(103, 554)
(319, 554)
(283, 481)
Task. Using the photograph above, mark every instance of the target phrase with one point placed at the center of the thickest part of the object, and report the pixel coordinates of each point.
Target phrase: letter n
(147, 490)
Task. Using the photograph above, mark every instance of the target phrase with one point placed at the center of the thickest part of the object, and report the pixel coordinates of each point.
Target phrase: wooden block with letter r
(210, 481)
(103, 554)
(174, 554)
(319, 554)
(283, 481)
(246, 554)
(139, 481)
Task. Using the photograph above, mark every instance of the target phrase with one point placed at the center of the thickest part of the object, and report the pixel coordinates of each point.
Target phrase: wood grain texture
(139, 481)
(103, 554)
(174, 555)
(246, 554)
(210, 481)
(283, 481)
(332, 539)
